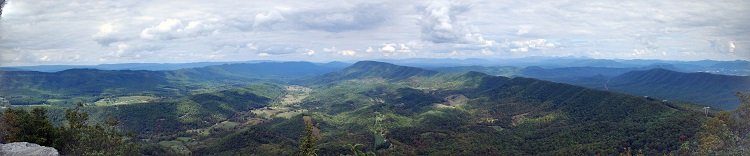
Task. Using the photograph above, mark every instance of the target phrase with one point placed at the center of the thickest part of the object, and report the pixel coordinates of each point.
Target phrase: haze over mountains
(738, 67)
(657, 79)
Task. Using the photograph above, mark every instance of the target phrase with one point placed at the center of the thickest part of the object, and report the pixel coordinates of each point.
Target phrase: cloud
(523, 30)
(266, 19)
(112, 31)
(175, 28)
(388, 48)
(109, 33)
(309, 52)
(264, 54)
(280, 49)
(722, 46)
(529, 45)
(338, 19)
(359, 17)
(347, 52)
(331, 49)
(394, 49)
(439, 24)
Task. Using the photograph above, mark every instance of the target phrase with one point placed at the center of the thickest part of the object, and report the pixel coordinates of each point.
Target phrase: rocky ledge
(25, 148)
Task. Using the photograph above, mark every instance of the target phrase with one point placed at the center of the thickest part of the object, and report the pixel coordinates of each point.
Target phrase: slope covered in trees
(483, 115)
(704, 88)
(396, 110)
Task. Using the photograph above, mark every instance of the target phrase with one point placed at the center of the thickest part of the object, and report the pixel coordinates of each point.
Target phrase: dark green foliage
(23, 126)
(307, 141)
(418, 112)
(356, 151)
(81, 82)
(78, 138)
(249, 142)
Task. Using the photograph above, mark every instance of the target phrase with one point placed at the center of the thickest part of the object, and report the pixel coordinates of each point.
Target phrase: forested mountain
(388, 109)
(705, 88)
(654, 81)
(483, 115)
(373, 69)
(30, 86)
(81, 82)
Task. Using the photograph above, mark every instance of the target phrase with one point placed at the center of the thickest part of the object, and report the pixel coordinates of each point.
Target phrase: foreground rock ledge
(25, 148)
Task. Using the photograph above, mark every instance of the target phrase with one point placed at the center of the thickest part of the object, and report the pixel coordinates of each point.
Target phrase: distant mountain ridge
(374, 69)
(736, 67)
(92, 82)
(710, 89)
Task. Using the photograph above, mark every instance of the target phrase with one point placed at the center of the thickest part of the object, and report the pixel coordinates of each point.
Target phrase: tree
(357, 152)
(22, 126)
(98, 139)
(715, 135)
(307, 141)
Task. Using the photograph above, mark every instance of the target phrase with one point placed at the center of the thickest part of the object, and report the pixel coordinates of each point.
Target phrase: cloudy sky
(34, 32)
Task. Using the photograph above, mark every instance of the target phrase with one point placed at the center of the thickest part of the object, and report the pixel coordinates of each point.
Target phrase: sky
(38, 32)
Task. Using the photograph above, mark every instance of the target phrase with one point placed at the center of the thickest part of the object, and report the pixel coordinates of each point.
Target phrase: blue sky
(34, 32)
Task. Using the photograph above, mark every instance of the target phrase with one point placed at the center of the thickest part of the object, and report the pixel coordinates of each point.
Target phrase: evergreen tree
(307, 141)
(22, 126)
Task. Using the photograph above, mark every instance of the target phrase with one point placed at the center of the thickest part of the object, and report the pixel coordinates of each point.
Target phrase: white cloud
(523, 30)
(175, 28)
(251, 46)
(309, 52)
(108, 33)
(347, 52)
(361, 16)
(190, 30)
(396, 49)
(264, 54)
(44, 58)
(331, 49)
(528, 45)
(266, 19)
(440, 24)
(388, 48)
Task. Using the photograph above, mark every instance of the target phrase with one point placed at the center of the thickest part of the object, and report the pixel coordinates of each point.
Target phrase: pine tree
(307, 141)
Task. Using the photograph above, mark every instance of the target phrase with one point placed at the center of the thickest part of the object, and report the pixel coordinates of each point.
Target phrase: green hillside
(397, 110)
(709, 89)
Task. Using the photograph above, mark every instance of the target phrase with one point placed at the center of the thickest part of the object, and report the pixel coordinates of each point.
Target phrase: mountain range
(230, 109)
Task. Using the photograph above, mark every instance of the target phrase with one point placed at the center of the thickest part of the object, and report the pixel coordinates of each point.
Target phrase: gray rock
(25, 148)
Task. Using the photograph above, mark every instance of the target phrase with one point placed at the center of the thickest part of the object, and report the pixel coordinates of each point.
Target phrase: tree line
(75, 137)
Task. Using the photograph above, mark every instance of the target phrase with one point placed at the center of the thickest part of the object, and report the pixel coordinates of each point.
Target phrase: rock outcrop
(25, 148)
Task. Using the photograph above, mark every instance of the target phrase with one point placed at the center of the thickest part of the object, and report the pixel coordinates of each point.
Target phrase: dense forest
(375, 108)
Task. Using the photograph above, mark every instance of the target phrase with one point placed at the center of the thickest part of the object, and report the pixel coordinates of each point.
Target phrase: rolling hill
(482, 115)
(703, 88)
(32, 87)
(390, 109)
(709, 89)
(373, 69)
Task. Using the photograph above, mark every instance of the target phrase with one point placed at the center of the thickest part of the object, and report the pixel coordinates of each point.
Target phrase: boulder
(25, 148)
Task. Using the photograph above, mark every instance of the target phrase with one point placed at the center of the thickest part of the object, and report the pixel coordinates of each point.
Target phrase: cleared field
(124, 100)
